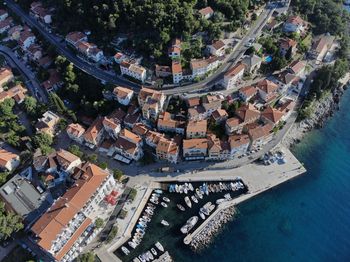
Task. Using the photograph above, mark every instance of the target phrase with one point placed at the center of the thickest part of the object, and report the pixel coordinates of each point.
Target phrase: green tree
(99, 222)
(30, 105)
(9, 222)
(118, 174)
(75, 150)
(86, 257)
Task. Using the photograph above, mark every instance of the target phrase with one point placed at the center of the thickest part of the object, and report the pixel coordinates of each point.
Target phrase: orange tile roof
(206, 11)
(247, 113)
(5, 73)
(248, 91)
(89, 178)
(197, 126)
(272, 114)
(260, 131)
(130, 136)
(267, 86)
(235, 70)
(6, 156)
(176, 68)
(122, 92)
(93, 131)
(75, 130)
(238, 140)
(233, 121)
(199, 143)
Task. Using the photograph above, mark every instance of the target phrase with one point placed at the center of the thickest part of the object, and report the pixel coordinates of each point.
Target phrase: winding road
(102, 75)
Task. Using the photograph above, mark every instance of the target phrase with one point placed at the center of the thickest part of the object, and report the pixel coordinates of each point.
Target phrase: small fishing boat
(164, 223)
(201, 215)
(177, 188)
(166, 199)
(140, 230)
(179, 206)
(143, 224)
(194, 199)
(185, 190)
(159, 246)
(125, 250)
(154, 252)
(221, 200)
(150, 256)
(190, 187)
(158, 191)
(163, 204)
(132, 244)
(227, 196)
(181, 189)
(140, 257)
(189, 225)
(147, 219)
(188, 202)
(205, 188)
(136, 259)
(199, 194)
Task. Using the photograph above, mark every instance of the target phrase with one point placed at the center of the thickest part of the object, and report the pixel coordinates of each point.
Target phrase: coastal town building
(167, 124)
(271, 115)
(54, 82)
(17, 93)
(26, 39)
(288, 45)
(76, 132)
(297, 67)
(21, 197)
(246, 93)
(217, 48)
(91, 51)
(167, 150)
(320, 46)
(119, 57)
(60, 231)
(245, 115)
(200, 67)
(174, 51)
(197, 113)
(252, 63)
(163, 71)
(239, 145)
(206, 12)
(152, 138)
(176, 70)
(217, 149)
(196, 129)
(151, 102)
(260, 135)
(195, 149)
(47, 124)
(6, 76)
(123, 95)
(267, 90)
(112, 124)
(233, 76)
(219, 116)
(8, 160)
(295, 24)
(133, 70)
(94, 134)
(15, 32)
(74, 38)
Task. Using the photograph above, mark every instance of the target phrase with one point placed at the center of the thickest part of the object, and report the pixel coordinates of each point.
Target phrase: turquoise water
(307, 219)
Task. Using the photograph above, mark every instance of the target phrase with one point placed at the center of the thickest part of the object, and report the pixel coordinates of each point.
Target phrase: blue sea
(307, 219)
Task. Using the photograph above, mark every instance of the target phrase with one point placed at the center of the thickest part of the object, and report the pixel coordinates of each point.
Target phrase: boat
(205, 208)
(154, 201)
(132, 244)
(166, 199)
(142, 220)
(146, 218)
(211, 208)
(177, 188)
(164, 223)
(140, 257)
(125, 251)
(189, 224)
(154, 252)
(140, 230)
(149, 255)
(159, 246)
(227, 196)
(190, 187)
(188, 202)
(136, 259)
(205, 188)
(199, 194)
(185, 190)
(181, 189)
(201, 215)
(179, 206)
(143, 224)
(194, 199)
(149, 212)
(163, 204)
(155, 195)
(158, 191)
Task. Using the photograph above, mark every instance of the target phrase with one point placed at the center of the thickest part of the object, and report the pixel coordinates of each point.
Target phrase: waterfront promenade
(257, 177)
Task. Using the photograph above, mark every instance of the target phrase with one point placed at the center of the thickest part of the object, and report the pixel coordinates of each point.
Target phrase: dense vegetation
(150, 24)
(9, 222)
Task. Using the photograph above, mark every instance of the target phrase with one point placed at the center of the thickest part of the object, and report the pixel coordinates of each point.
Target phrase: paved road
(117, 80)
(63, 50)
(31, 82)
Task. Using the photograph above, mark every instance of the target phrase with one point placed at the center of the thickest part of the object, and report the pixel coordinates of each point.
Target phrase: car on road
(248, 44)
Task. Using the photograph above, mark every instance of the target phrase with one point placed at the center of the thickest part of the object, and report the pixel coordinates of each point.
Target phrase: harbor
(256, 178)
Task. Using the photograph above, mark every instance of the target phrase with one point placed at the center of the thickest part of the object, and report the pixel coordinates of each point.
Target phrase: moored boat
(188, 202)
(190, 187)
(154, 252)
(159, 246)
(163, 204)
(179, 206)
(166, 199)
(164, 223)
(125, 250)
(201, 215)
(189, 224)
(158, 191)
(194, 199)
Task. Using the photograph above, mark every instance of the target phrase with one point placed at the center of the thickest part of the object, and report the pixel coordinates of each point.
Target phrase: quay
(257, 177)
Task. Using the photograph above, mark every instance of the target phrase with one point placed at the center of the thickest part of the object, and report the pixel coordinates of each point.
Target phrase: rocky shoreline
(205, 237)
(323, 110)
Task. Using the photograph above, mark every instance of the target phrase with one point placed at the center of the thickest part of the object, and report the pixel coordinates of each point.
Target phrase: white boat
(185, 190)
(150, 256)
(136, 259)
(146, 218)
(190, 187)
(177, 188)
(154, 252)
(199, 194)
(205, 188)
(159, 246)
(158, 191)
(211, 208)
(143, 224)
(125, 250)
(205, 208)
(188, 202)
(201, 215)
(227, 196)
(163, 204)
(179, 206)
(189, 225)
(194, 199)
(132, 244)
(140, 257)
(140, 230)
(166, 199)
(164, 223)
(142, 220)
(181, 189)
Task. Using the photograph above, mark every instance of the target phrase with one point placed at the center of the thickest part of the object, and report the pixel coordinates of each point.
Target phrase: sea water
(307, 219)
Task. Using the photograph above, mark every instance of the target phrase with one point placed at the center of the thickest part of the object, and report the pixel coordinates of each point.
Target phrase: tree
(103, 165)
(30, 105)
(92, 158)
(75, 150)
(99, 223)
(86, 257)
(3, 177)
(118, 174)
(9, 222)
(43, 141)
